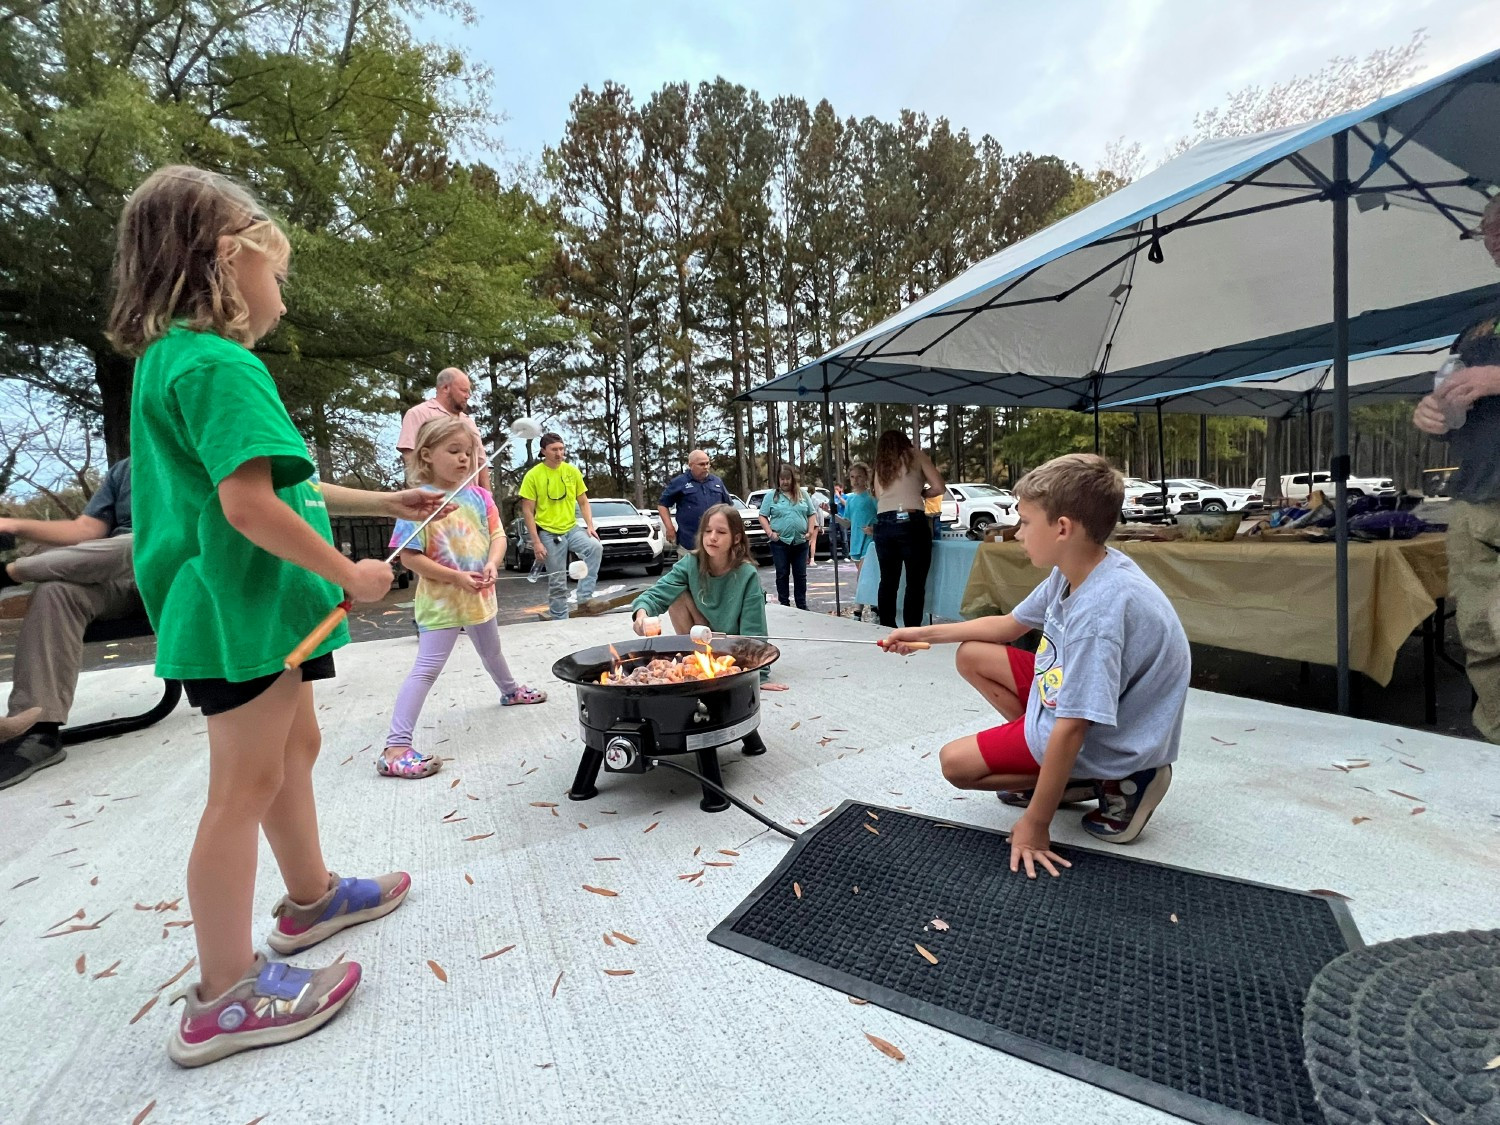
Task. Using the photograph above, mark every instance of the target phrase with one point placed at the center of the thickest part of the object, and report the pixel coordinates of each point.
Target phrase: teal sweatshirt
(733, 603)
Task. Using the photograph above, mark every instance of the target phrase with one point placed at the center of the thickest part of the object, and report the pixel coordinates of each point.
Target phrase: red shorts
(1004, 747)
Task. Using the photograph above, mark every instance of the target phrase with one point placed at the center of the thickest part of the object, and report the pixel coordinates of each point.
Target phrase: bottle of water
(1454, 414)
(538, 568)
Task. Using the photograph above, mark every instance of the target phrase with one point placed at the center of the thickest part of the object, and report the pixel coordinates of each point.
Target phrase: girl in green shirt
(714, 584)
(235, 563)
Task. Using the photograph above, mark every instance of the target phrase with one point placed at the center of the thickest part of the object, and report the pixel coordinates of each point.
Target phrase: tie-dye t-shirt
(459, 541)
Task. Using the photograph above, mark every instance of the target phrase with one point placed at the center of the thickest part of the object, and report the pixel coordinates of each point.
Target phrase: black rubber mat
(1407, 1030)
(1178, 989)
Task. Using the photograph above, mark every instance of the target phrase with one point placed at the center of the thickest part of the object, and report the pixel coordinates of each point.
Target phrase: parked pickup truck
(977, 506)
(1294, 485)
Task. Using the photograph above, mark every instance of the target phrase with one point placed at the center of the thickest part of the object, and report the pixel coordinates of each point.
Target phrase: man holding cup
(1464, 407)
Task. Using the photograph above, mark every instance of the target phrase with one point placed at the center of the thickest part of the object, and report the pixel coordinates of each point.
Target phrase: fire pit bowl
(624, 726)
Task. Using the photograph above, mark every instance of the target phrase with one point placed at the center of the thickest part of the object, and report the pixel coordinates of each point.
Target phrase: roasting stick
(701, 634)
(336, 616)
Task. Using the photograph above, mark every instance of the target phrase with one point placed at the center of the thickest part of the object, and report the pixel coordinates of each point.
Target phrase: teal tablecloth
(952, 559)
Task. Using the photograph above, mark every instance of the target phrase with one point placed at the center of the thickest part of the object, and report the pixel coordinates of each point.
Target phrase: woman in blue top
(791, 523)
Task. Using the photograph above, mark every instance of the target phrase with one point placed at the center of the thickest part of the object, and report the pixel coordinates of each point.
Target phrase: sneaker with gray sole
(272, 1003)
(34, 751)
(348, 902)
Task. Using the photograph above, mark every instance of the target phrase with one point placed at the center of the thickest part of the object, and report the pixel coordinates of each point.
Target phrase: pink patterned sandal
(523, 694)
(411, 764)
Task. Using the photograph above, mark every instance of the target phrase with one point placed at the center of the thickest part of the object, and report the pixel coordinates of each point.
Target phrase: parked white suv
(1143, 499)
(977, 506)
(1294, 485)
(628, 537)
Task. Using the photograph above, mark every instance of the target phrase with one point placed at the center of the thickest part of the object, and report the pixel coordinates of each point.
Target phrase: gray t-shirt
(1112, 652)
(111, 502)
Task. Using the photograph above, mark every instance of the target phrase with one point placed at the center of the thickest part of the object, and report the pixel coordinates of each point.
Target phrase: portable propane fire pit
(626, 725)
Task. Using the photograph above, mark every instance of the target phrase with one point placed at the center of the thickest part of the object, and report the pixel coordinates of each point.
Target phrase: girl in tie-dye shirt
(455, 560)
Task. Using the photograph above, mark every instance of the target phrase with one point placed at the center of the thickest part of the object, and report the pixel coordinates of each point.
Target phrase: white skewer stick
(702, 635)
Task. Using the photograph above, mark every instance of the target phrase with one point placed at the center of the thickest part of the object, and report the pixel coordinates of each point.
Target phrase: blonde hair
(432, 434)
(1082, 486)
(169, 265)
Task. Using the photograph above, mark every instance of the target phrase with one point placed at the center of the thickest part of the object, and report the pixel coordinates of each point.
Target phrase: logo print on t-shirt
(1049, 673)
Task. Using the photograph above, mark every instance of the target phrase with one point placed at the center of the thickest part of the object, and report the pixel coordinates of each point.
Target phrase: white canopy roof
(1215, 266)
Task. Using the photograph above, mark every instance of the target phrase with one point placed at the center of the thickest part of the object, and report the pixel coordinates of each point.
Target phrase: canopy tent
(1216, 265)
(1224, 262)
(1401, 373)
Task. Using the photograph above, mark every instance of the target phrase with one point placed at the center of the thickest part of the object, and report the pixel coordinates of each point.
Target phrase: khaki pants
(1474, 583)
(92, 581)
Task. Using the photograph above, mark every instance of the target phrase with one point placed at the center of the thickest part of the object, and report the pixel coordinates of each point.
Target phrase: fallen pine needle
(606, 858)
(1360, 819)
(582, 825)
(871, 828)
(80, 966)
(609, 941)
(468, 878)
(109, 972)
(557, 982)
(650, 826)
(926, 953)
(756, 799)
(872, 814)
(626, 938)
(1418, 810)
(1412, 766)
(890, 1050)
(1408, 796)
(497, 953)
(1493, 1064)
(716, 863)
(145, 1113)
(23, 882)
(178, 975)
(619, 972)
(544, 804)
(797, 889)
(481, 836)
(146, 1007)
(692, 874)
(438, 971)
(1174, 919)
(728, 851)
(857, 1000)
(601, 891)
(1329, 894)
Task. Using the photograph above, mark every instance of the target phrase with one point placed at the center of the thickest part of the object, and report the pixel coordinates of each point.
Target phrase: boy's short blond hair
(1082, 486)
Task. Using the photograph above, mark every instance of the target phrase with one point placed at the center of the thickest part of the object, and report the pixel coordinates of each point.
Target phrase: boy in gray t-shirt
(1096, 712)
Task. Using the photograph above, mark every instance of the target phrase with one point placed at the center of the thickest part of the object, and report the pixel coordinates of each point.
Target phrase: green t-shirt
(555, 493)
(222, 608)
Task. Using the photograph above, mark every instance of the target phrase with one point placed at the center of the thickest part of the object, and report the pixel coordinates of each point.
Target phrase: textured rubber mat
(1178, 989)
(1407, 1030)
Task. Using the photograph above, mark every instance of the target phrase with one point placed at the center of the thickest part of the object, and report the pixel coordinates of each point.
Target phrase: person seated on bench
(85, 575)
(1098, 709)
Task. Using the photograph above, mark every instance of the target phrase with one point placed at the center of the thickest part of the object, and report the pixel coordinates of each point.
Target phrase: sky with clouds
(1065, 77)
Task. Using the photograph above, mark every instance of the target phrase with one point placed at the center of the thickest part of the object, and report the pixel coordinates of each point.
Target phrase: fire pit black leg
(753, 744)
(708, 766)
(588, 771)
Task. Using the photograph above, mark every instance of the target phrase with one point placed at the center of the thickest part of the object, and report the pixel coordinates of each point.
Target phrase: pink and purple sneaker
(348, 902)
(272, 1003)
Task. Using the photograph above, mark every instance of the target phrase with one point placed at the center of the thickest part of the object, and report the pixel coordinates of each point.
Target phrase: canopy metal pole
(833, 512)
(1339, 466)
(1312, 457)
(1161, 459)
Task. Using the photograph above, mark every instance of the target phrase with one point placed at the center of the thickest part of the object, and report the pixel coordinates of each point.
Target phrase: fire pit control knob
(619, 753)
(700, 713)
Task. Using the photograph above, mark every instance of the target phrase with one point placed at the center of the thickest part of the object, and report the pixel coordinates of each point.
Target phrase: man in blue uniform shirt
(693, 492)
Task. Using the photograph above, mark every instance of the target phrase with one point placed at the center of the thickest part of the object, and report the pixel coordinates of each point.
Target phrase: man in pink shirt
(453, 391)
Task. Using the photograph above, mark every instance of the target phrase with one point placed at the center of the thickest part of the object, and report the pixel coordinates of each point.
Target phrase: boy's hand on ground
(1030, 845)
(416, 504)
(371, 580)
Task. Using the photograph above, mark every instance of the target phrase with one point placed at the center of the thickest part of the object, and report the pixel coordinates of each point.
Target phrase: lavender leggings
(433, 649)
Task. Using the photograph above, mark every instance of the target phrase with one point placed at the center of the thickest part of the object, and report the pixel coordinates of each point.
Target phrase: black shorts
(214, 697)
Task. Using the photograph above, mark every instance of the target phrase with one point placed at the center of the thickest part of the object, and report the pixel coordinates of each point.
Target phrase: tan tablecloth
(1274, 597)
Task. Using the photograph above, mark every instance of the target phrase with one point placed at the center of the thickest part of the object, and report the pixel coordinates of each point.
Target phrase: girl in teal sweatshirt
(715, 584)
